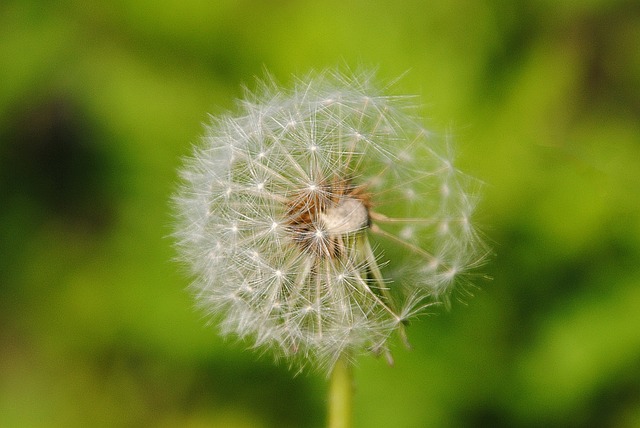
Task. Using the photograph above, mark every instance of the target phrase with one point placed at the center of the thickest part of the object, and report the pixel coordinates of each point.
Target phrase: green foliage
(98, 101)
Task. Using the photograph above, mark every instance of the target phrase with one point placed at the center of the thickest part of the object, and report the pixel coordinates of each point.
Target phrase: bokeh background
(100, 99)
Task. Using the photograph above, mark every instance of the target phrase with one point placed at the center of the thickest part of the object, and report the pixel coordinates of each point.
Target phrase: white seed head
(317, 220)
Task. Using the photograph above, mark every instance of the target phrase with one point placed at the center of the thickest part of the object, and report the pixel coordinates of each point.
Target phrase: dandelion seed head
(316, 220)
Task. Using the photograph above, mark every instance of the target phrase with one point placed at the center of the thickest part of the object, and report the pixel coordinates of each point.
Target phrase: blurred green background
(99, 100)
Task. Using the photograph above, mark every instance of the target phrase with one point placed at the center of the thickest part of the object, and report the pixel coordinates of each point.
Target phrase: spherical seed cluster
(318, 220)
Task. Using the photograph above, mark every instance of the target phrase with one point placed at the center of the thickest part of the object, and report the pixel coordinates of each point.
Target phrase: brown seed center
(320, 218)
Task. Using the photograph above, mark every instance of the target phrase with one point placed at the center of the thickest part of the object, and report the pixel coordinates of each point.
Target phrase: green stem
(340, 394)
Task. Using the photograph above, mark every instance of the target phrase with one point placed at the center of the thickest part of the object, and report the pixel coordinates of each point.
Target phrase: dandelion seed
(317, 220)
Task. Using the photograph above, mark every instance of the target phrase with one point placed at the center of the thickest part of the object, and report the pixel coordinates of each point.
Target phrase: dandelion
(318, 220)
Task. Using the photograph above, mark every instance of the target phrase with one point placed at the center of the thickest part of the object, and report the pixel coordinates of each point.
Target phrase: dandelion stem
(340, 394)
